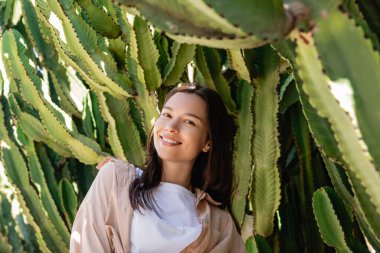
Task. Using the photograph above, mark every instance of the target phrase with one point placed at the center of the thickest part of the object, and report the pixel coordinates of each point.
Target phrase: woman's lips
(169, 141)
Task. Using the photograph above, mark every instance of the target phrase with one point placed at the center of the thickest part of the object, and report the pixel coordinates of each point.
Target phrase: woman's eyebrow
(188, 113)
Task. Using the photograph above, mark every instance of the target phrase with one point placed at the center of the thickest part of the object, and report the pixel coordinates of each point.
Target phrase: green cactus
(266, 147)
(243, 145)
(84, 79)
(363, 175)
(334, 230)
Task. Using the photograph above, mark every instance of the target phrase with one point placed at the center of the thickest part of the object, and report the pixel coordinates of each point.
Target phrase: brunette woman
(181, 200)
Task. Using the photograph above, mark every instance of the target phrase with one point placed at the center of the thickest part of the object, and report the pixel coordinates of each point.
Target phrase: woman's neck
(176, 173)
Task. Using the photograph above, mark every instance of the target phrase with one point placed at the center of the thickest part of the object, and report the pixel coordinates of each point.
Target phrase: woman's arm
(89, 232)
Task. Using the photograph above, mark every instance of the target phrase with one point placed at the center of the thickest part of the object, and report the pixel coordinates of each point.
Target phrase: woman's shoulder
(114, 166)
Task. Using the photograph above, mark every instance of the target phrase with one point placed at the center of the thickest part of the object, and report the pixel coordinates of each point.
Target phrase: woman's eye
(165, 114)
(190, 122)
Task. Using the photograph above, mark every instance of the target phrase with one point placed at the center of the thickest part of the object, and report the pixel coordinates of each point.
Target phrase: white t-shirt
(177, 226)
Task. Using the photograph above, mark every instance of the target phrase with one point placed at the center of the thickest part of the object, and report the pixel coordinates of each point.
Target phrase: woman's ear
(206, 148)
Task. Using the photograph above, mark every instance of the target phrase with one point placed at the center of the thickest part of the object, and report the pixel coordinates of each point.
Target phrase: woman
(178, 203)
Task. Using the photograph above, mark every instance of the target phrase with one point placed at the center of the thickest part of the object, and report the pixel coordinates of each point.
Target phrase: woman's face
(180, 133)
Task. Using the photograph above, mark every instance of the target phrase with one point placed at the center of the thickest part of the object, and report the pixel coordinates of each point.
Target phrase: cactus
(333, 230)
(266, 180)
(84, 79)
(243, 145)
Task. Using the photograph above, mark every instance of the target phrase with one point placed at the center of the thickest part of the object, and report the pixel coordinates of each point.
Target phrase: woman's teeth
(169, 141)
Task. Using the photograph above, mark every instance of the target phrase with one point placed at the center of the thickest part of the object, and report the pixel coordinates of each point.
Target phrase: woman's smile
(169, 141)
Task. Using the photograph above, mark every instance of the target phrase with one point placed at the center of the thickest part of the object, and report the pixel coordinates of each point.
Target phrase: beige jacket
(103, 221)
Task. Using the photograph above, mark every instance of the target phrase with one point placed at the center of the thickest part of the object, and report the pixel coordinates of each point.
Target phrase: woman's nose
(172, 127)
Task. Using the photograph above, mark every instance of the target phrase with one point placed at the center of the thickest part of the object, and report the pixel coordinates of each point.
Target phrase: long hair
(212, 171)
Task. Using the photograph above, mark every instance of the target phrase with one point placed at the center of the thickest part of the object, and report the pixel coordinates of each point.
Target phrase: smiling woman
(181, 200)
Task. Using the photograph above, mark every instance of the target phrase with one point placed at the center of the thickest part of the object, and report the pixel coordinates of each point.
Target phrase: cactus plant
(299, 78)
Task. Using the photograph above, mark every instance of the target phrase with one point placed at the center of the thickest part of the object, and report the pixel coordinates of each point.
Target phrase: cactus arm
(363, 175)
(289, 96)
(182, 54)
(319, 127)
(7, 13)
(354, 11)
(87, 118)
(231, 43)
(11, 158)
(35, 129)
(64, 52)
(147, 54)
(251, 246)
(266, 19)
(214, 66)
(101, 22)
(217, 24)
(333, 41)
(126, 130)
(46, 234)
(371, 9)
(308, 176)
(237, 63)
(303, 146)
(178, 17)
(345, 193)
(38, 179)
(81, 39)
(341, 185)
(69, 200)
(81, 147)
(60, 85)
(266, 179)
(329, 224)
(33, 30)
(366, 227)
(302, 161)
(49, 173)
(93, 123)
(201, 65)
(98, 119)
(242, 153)
(112, 133)
(145, 100)
(122, 133)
